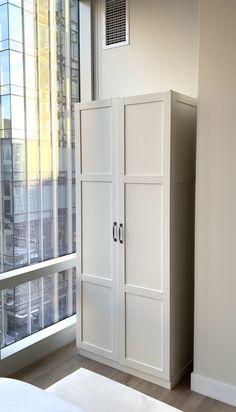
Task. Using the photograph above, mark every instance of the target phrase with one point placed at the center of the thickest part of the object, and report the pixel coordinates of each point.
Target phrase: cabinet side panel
(183, 152)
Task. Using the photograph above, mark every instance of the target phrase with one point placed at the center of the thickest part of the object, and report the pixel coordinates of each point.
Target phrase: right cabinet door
(144, 143)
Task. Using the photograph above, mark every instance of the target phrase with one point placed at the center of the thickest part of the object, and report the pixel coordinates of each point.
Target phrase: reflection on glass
(20, 243)
(3, 22)
(4, 68)
(30, 72)
(62, 232)
(15, 23)
(32, 306)
(35, 255)
(44, 107)
(47, 235)
(32, 115)
(34, 197)
(48, 303)
(37, 159)
(33, 159)
(47, 195)
(46, 167)
(29, 29)
(5, 112)
(43, 77)
(17, 112)
(36, 305)
(16, 60)
(6, 155)
(18, 163)
(19, 194)
(62, 294)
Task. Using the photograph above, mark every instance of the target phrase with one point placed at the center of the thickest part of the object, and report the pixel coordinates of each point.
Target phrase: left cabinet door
(96, 227)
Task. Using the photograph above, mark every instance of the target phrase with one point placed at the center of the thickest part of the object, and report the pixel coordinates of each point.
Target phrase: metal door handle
(114, 232)
(121, 239)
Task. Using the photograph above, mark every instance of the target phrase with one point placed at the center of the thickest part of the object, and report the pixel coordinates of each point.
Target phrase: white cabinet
(135, 233)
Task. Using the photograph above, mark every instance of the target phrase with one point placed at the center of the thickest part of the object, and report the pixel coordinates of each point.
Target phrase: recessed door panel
(143, 241)
(97, 316)
(97, 229)
(144, 331)
(144, 138)
(96, 140)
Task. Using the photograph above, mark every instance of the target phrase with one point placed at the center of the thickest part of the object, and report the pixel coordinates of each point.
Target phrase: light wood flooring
(62, 362)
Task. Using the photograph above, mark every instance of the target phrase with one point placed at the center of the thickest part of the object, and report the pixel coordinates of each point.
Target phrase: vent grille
(115, 22)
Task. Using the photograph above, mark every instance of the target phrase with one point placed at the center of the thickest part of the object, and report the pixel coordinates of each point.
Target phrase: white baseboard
(214, 389)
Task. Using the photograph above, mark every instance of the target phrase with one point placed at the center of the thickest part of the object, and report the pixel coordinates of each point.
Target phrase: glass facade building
(39, 84)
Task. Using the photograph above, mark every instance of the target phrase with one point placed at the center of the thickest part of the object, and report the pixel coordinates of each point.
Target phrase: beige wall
(162, 53)
(215, 298)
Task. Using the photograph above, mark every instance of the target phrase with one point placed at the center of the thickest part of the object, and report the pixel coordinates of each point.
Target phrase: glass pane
(34, 197)
(9, 308)
(43, 76)
(33, 159)
(47, 195)
(4, 68)
(19, 166)
(21, 312)
(62, 294)
(7, 202)
(35, 255)
(32, 306)
(6, 154)
(30, 72)
(8, 261)
(17, 112)
(48, 306)
(3, 22)
(46, 167)
(16, 60)
(45, 125)
(62, 232)
(20, 243)
(29, 28)
(47, 236)
(36, 305)
(19, 194)
(62, 188)
(15, 23)
(5, 112)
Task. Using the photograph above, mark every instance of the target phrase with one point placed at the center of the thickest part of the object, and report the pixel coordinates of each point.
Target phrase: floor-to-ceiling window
(39, 85)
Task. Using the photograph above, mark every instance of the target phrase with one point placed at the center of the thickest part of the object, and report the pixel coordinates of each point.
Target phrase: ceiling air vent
(116, 23)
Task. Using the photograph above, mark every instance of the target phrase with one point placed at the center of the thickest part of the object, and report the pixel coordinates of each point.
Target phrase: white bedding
(17, 396)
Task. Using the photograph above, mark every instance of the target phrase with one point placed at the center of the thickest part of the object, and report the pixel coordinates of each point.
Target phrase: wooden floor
(62, 362)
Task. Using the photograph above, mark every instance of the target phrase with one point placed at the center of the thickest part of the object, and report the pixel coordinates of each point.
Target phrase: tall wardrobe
(135, 233)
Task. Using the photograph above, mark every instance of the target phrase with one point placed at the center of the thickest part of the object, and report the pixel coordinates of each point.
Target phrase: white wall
(162, 53)
(215, 297)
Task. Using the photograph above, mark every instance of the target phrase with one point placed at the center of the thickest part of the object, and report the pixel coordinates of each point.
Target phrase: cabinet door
(144, 164)
(96, 206)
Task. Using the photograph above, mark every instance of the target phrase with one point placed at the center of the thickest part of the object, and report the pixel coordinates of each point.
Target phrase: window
(30, 307)
(39, 85)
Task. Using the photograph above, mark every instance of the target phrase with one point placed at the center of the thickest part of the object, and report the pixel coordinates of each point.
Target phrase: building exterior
(39, 84)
